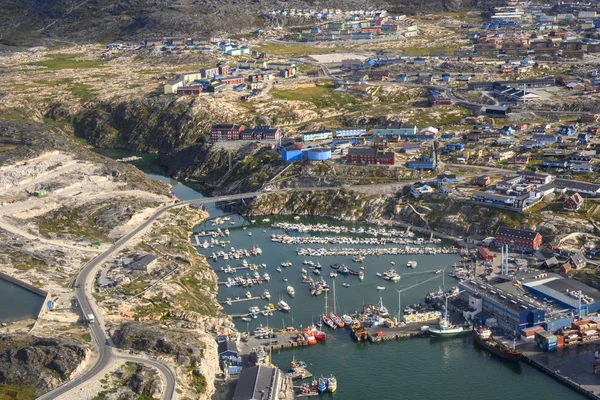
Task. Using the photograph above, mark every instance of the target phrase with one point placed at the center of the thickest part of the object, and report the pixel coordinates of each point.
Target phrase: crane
(408, 288)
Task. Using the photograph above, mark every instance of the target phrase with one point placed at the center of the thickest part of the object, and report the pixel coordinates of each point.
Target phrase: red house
(518, 239)
(224, 132)
(370, 155)
(189, 90)
(572, 203)
(486, 254)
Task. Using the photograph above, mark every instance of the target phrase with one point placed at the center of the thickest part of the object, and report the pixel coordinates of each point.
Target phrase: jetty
(240, 300)
(284, 239)
(379, 251)
(326, 228)
(383, 334)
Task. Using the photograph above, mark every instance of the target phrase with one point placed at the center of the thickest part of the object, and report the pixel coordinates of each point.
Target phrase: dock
(572, 368)
(243, 299)
(408, 331)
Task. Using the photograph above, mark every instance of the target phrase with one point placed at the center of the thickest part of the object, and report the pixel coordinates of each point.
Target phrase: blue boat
(322, 386)
(344, 270)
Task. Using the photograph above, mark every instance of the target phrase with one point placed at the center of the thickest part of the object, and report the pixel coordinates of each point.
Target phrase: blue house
(555, 164)
(447, 178)
(544, 138)
(227, 349)
(422, 163)
(583, 138)
(401, 78)
(291, 153)
(455, 146)
(567, 130)
(582, 168)
(508, 130)
(419, 60)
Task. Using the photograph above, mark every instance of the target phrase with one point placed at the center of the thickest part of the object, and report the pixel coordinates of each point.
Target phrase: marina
(340, 354)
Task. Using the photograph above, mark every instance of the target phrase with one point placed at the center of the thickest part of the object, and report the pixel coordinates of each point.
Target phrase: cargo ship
(483, 336)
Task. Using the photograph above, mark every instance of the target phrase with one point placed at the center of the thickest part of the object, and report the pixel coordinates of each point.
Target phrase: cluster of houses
(216, 79)
(204, 45)
(520, 192)
(327, 13)
(229, 132)
(508, 32)
(355, 27)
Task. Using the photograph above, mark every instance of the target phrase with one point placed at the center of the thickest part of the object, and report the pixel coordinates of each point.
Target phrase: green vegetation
(76, 221)
(320, 96)
(16, 392)
(25, 262)
(426, 51)
(295, 50)
(83, 91)
(199, 383)
(67, 61)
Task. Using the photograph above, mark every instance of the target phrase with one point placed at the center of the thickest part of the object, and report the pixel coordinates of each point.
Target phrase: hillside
(85, 21)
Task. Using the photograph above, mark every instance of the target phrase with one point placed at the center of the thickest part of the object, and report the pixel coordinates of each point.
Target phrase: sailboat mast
(334, 310)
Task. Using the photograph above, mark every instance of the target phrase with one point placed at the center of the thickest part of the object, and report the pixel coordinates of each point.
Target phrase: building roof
(516, 233)
(362, 151)
(143, 262)
(228, 345)
(551, 262)
(576, 185)
(578, 258)
(258, 382)
(558, 287)
(224, 127)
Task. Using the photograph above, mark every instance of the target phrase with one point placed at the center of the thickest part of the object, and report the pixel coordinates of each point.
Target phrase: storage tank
(318, 154)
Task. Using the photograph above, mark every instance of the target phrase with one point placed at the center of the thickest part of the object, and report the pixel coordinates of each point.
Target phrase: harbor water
(17, 303)
(421, 368)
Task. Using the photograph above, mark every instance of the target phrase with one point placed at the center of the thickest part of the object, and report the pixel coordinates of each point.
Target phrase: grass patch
(16, 392)
(426, 51)
(53, 83)
(295, 50)
(71, 221)
(67, 61)
(320, 96)
(82, 90)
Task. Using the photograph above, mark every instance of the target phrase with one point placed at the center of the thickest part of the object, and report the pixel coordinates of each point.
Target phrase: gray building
(143, 263)
(258, 383)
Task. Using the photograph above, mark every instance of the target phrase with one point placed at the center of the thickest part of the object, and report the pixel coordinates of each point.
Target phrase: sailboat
(326, 320)
(337, 320)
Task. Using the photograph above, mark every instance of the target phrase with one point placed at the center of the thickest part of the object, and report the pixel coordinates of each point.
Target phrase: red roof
(485, 252)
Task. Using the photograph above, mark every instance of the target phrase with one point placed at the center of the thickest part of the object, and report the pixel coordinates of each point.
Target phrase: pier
(573, 369)
(242, 299)
(408, 331)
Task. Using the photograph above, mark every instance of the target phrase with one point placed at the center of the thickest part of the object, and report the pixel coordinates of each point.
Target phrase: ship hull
(506, 355)
(437, 332)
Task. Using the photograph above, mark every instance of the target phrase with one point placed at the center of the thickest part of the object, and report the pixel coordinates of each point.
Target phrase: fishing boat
(380, 287)
(283, 306)
(246, 319)
(309, 336)
(286, 264)
(347, 319)
(331, 384)
(332, 274)
(484, 337)
(361, 275)
(344, 270)
(319, 334)
(391, 275)
(345, 284)
(411, 264)
(291, 291)
(322, 386)
(278, 269)
(358, 258)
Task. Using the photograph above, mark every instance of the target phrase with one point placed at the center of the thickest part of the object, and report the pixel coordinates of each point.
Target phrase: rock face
(151, 338)
(341, 204)
(41, 363)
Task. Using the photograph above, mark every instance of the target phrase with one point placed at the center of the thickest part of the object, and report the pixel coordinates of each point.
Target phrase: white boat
(249, 233)
(347, 319)
(331, 384)
(266, 220)
(266, 277)
(296, 218)
(345, 284)
(254, 309)
(439, 271)
(411, 264)
(267, 294)
(228, 302)
(248, 295)
(332, 274)
(393, 263)
(246, 319)
(291, 290)
(244, 263)
(378, 274)
(278, 269)
(285, 279)
(380, 288)
(283, 306)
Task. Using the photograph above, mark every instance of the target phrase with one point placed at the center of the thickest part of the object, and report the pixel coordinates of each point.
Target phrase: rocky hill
(85, 21)
(37, 362)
